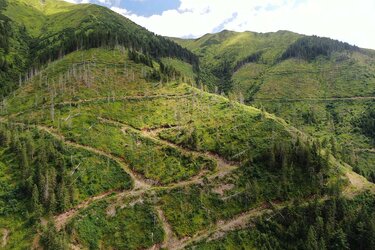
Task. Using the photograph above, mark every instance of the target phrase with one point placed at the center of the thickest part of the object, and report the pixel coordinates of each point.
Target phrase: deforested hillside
(38, 32)
(322, 86)
(108, 142)
(90, 145)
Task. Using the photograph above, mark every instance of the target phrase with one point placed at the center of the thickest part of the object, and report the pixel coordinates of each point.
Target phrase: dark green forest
(334, 224)
(310, 47)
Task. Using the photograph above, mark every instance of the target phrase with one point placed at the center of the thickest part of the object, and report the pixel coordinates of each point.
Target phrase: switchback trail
(224, 166)
(140, 185)
(139, 181)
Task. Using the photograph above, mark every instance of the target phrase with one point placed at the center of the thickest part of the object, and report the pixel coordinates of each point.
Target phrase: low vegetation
(110, 140)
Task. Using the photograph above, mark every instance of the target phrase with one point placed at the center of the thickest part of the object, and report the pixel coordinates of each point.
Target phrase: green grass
(322, 78)
(184, 68)
(20, 233)
(239, 45)
(85, 75)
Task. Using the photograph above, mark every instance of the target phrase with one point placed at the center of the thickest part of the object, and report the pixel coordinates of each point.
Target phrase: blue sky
(351, 21)
(140, 7)
(149, 7)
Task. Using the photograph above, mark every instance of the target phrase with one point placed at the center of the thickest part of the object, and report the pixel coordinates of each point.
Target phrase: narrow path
(141, 185)
(241, 221)
(108, 99)
(139, 181)
(61, 219)
(170, 239)
(224, 166)
(223, 227)
(35, 244)
(123, 98)
(370, 150)
(5, 237)
(315, 99)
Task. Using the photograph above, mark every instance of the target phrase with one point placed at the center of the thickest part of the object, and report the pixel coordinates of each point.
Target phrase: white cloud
(121, 11)
(347, 20)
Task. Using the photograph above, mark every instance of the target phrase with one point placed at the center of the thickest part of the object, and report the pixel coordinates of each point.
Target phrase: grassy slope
(33, 14)
(277, 86)
(239, 45)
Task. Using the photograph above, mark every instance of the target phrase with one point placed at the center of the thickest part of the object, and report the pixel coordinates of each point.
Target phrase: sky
(351, 21)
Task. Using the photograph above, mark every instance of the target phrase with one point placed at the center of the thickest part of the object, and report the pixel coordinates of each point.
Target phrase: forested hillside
(108, 140)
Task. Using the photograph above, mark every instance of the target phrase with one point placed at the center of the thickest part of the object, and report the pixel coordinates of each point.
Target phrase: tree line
(110, 31)
(45, 182)
(310, 47)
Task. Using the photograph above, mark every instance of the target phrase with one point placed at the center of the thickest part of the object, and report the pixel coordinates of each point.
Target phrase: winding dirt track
(109, 100)
(142, 186)
(223, 165)
(170, 239)
(123, 98)
(315, 99)
(61, 219)
(370, 150)
(139, 181)
(222, 227)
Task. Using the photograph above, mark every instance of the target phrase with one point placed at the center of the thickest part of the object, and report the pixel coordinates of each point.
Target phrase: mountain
(322, 86)
(43, 31)
(108, 142)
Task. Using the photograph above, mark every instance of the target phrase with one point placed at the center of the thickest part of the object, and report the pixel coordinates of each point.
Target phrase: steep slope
(14, 52)
(96, 114)
(108, 148)
(43, 31)
(322, 86)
